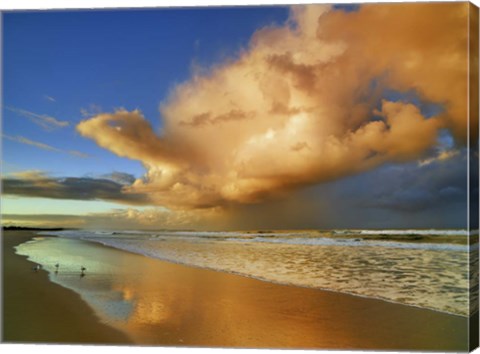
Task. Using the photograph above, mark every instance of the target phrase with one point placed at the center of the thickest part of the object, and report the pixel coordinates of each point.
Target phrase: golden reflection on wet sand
(161, 303)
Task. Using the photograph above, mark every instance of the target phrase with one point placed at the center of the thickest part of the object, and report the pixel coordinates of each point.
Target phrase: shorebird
(36, 268)
(56, 267)
(83, 271)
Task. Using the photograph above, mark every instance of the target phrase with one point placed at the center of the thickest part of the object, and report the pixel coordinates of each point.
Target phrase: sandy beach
(160, 303)
(37, 310)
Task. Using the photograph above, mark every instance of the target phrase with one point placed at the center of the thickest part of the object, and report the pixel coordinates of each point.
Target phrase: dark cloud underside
(71, 188)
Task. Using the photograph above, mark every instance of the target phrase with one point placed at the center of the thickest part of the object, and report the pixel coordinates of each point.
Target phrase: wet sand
(37, 310)
(159, 303)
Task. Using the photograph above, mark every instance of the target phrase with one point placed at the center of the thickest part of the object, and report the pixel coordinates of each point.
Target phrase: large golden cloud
(302, 105)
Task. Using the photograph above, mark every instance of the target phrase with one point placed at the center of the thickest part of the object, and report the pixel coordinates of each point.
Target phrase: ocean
(422, 268)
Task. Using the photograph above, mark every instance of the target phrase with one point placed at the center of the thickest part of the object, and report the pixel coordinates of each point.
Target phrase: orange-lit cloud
(303, 104)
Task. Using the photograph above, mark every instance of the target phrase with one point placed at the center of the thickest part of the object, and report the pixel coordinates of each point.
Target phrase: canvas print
(295, 177)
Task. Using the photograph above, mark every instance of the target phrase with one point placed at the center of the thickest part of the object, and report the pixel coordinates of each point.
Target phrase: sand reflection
(156, 302)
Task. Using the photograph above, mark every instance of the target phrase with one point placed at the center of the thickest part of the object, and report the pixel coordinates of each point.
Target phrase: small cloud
(78, 154)
(120, 177)
(23, 140)
(29, 174)
(442, 156)
(49, 98)
(46, 122)
(196, 44)
(90, 111)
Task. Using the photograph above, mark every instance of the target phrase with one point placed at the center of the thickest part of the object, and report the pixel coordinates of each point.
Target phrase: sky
(260, 117)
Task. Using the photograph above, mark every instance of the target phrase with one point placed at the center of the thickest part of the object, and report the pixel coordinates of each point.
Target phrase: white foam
(325, 241)
(451, 232)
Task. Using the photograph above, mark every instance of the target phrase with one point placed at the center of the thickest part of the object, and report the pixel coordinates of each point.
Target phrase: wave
(277, 233)
(445, 232)
(361, 238)
(358, 242)
(412, 273)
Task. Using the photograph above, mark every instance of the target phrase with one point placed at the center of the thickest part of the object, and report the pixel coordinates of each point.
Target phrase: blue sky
(60, 63)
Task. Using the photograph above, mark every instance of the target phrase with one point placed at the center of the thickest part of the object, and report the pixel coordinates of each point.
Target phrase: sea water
(423, 268)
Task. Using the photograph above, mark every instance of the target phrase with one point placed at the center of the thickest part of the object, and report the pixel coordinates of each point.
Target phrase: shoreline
(466, 316)
(325, 318)
(29, 297)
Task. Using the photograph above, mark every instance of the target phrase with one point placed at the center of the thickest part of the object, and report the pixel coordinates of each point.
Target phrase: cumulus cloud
(127, 134)
(304, 104)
